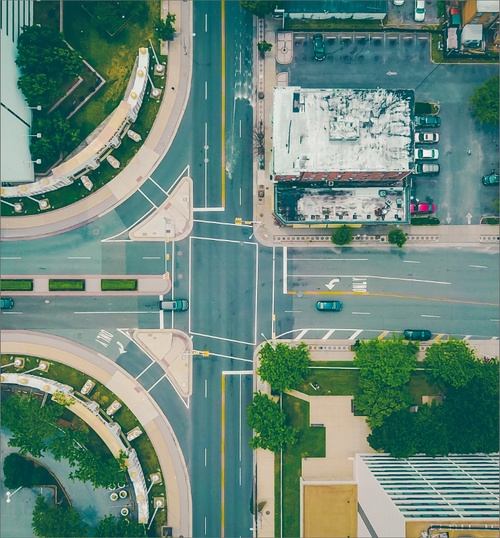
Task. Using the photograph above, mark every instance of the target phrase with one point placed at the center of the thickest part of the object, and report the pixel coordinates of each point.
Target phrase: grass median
(16, 285)
(115, 284)
(66, 285)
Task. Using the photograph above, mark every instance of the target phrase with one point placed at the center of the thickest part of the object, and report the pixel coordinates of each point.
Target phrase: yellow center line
(415, 297)
(222, 449)
(223, 93)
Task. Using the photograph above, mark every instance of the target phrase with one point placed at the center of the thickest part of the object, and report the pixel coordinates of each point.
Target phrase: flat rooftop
(316, 203)
(342, 129)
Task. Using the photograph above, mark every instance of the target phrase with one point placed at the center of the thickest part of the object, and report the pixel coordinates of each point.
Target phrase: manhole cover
(95, 231)
(300, 294)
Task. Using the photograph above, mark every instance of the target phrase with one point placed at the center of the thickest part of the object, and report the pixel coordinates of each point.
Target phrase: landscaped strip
(16, 285)
(115, 284)
(66, 285)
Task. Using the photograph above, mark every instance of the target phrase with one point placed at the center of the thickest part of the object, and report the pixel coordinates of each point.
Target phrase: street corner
(172, 221)
(284, 47)
(173, 351)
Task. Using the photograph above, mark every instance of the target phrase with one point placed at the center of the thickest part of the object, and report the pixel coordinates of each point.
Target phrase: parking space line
(467, 336)
(147, 368)
(164, 376)
(383, 335)
(438, 337)
(301, 334)
(328, 334)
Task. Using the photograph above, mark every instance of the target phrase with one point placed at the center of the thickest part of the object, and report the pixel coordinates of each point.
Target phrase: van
(178, 305)
(426, 169)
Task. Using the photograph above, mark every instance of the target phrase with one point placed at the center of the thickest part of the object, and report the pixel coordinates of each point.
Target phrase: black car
(7, 303)
(319, 47)
(417, 334)
(427, 121)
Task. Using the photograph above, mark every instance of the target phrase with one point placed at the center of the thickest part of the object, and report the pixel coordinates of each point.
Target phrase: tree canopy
(261, 8)
(484, 100)
(109, 526)
(451, 362)
(55, 521)
(18, 471)
(342, 235)
(397, 237)
(282, 366)
(165, 28)
(269, 423)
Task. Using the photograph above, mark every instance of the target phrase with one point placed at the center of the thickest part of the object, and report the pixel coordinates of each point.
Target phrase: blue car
(332, 306)
(319, 47)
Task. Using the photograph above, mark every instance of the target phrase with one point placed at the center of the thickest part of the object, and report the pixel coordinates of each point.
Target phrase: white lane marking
(494, 320)
(148, 199)
(223, 240)
(189, 280)
(206, 388)
(332, 259)
(206, 89)
(241, 430)
(356, 334)
(205, 457)
(240, 475)
(301, 334)
(230, 357)
(409, 261)
(479, 266)
(467, 336)
(293, 311)
(428, 316)
(273, 315)
(159, 186)
(256, 292)
(237, 372)
(118, 312)
(147, 368)
(205, 525)
(164, 376)
(379, 277)
(241, 67)
(362, 313)
(285, 270)
(206, 22)
(205, 160)
(79, 258)
(240, 129)
(151, 257)
(212, 209)
(241, 196)
(10, 258)
(328, 334)
(221, 223)
(223, 339)
(12, 313)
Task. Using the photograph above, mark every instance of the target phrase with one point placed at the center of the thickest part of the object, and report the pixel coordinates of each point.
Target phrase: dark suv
(490, 179)
(319, 47)
(417, 334)
(427, 121)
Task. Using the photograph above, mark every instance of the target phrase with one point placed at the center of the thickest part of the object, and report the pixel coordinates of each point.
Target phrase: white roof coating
(342, 130)
(487, 6)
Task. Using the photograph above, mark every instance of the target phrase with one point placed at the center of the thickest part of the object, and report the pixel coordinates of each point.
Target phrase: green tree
(68, 444)
(63, 399)
(397, 237)
(165, 28)
(18, 471)
(342, 235)
(396, 435)
(263, 47)
(451, 362)
(269, 423)
(106, 472)
(56, 521)
(386, 362)
(37, 424)
(377, 401)
(484, 101)
(39, 88)
(261, 8)
(109, 526)
(431, 431)
(282, 366)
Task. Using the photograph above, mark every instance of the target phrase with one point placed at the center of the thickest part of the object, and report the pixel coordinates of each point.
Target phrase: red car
(421, 209)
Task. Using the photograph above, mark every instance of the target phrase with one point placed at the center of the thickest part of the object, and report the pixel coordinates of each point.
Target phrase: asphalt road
(402, 61)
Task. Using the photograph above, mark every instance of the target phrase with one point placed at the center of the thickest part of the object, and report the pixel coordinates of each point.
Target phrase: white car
(419, 14)
(426, 154)
(398, 2)
(426, 138)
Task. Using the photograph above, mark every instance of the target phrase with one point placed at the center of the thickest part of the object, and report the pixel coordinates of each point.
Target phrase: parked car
(178, 305)
(7, 303)
(426, 138)
(490, 179)
(419, 14)
(427, 121)
(417, 334)
(319, 47)
(422, 209)
(426, 169)
(398, 2)
(427, 154)
(333, 306)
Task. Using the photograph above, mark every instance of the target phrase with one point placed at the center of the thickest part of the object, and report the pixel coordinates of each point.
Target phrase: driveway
(402, 61)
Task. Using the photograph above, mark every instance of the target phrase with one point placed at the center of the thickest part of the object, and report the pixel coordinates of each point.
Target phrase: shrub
(397, 237)
(342, 236)
(118, 284)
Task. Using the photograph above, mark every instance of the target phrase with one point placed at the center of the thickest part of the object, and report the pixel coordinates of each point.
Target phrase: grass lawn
(66, 285)
(108, 284)
(112, 56)
(16, 285)
(331, 382)
(311, 443)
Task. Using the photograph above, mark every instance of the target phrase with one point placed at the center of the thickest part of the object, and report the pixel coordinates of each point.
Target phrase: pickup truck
(427, 121)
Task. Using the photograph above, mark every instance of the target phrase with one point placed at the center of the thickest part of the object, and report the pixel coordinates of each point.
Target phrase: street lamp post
(9, 494)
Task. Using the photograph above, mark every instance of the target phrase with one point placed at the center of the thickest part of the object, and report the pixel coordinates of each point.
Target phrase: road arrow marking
(448, 218)
(331, 284)
(121, 348)
(468, 217)
(391, 73)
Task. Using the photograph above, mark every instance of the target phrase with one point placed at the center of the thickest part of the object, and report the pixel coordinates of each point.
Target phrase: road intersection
(242, 288)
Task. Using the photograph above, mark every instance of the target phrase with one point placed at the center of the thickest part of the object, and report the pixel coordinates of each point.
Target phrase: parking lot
(402, 61)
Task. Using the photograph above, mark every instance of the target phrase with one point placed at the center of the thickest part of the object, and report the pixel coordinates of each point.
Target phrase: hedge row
(122, 284)
(16, 285)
